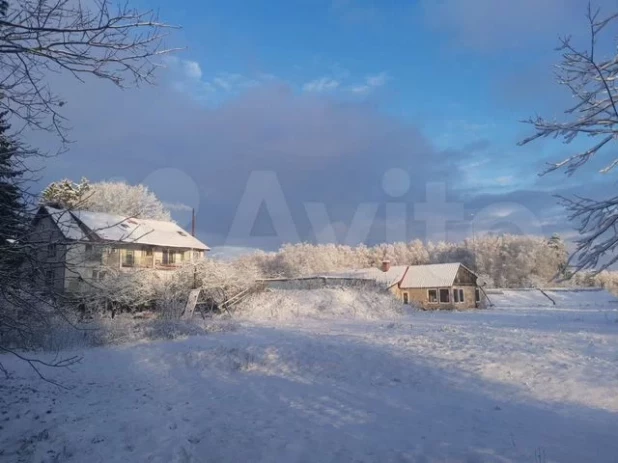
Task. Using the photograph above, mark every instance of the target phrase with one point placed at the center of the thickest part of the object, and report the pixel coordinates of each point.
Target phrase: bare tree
(91, 37)
(591, 79)
(81, 38)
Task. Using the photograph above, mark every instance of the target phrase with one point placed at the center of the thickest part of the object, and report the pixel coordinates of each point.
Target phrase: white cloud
(231, 82)
(377, 80)
(371, 82)
(225, 84)
(192, 69)
(187, 77)
(323, 84)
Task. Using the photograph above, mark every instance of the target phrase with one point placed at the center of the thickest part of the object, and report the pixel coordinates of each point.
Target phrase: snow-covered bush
(344, 303)
(27, 329)
(166, 292)
(121, 291)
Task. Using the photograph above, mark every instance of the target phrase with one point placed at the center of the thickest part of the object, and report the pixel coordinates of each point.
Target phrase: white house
(70, 247)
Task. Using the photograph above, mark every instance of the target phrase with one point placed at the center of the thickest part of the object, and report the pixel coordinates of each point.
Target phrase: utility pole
(193, 252)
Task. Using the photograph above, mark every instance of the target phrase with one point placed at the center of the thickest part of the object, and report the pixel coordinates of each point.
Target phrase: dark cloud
(321, 150)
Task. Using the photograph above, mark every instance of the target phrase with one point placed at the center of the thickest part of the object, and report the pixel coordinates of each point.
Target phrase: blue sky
(332, 94)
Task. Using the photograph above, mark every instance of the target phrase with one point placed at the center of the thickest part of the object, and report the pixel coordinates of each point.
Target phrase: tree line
(500, 260)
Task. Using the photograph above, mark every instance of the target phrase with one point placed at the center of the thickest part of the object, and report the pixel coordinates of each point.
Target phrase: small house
(440, 286)
(431, 287)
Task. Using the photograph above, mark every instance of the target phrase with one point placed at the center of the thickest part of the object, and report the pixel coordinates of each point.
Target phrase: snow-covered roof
(69, 227)
(430, 276)
(388, 279)
(408, 276)
(95, 226)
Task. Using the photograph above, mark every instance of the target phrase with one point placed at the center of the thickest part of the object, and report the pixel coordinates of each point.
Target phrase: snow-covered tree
(110, 197)
(66, 194)
(127, 200)
(590, 74)
(24, 312)
(84, 39)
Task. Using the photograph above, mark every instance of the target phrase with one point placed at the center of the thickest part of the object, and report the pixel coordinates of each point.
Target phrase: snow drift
(348, 303)
(551, 297)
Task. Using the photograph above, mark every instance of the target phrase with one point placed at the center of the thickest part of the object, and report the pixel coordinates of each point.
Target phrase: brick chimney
(386, 265)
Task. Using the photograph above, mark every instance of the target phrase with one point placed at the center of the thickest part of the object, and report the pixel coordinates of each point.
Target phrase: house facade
(440, 286)
(431, 287)
(72, 248)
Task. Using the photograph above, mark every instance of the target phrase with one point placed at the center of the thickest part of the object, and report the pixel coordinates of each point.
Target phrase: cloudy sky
(341, 120)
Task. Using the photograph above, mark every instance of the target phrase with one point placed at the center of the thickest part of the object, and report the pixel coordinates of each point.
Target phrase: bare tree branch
(37, 37)
(592, 83)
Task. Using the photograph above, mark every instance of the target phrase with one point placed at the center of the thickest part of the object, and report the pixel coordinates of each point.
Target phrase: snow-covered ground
(529, 385)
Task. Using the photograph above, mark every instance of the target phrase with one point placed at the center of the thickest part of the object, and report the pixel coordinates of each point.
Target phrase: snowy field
(509, 385)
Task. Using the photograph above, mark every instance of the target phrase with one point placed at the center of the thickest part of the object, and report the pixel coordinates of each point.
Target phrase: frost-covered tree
(81, 39)
(127, 200)
(110, 197)
(590, 74)
(502, 260)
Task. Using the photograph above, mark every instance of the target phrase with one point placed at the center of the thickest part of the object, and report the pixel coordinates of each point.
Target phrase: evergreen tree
(12, 207)
(66, 194)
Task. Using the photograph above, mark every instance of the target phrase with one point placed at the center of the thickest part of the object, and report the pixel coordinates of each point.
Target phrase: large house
(435, 286)
(73, 247)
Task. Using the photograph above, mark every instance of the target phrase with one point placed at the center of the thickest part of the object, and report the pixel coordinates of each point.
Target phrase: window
(94, 253)
(124, 225)
(129, 258)
(405, 298)
(51, 250)
(98, 275)
(169, 257)
(458, 295)
(445, 296)
(181, 233)
(148, 252)
(432, 295)
(477, 295)
(50, 277)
